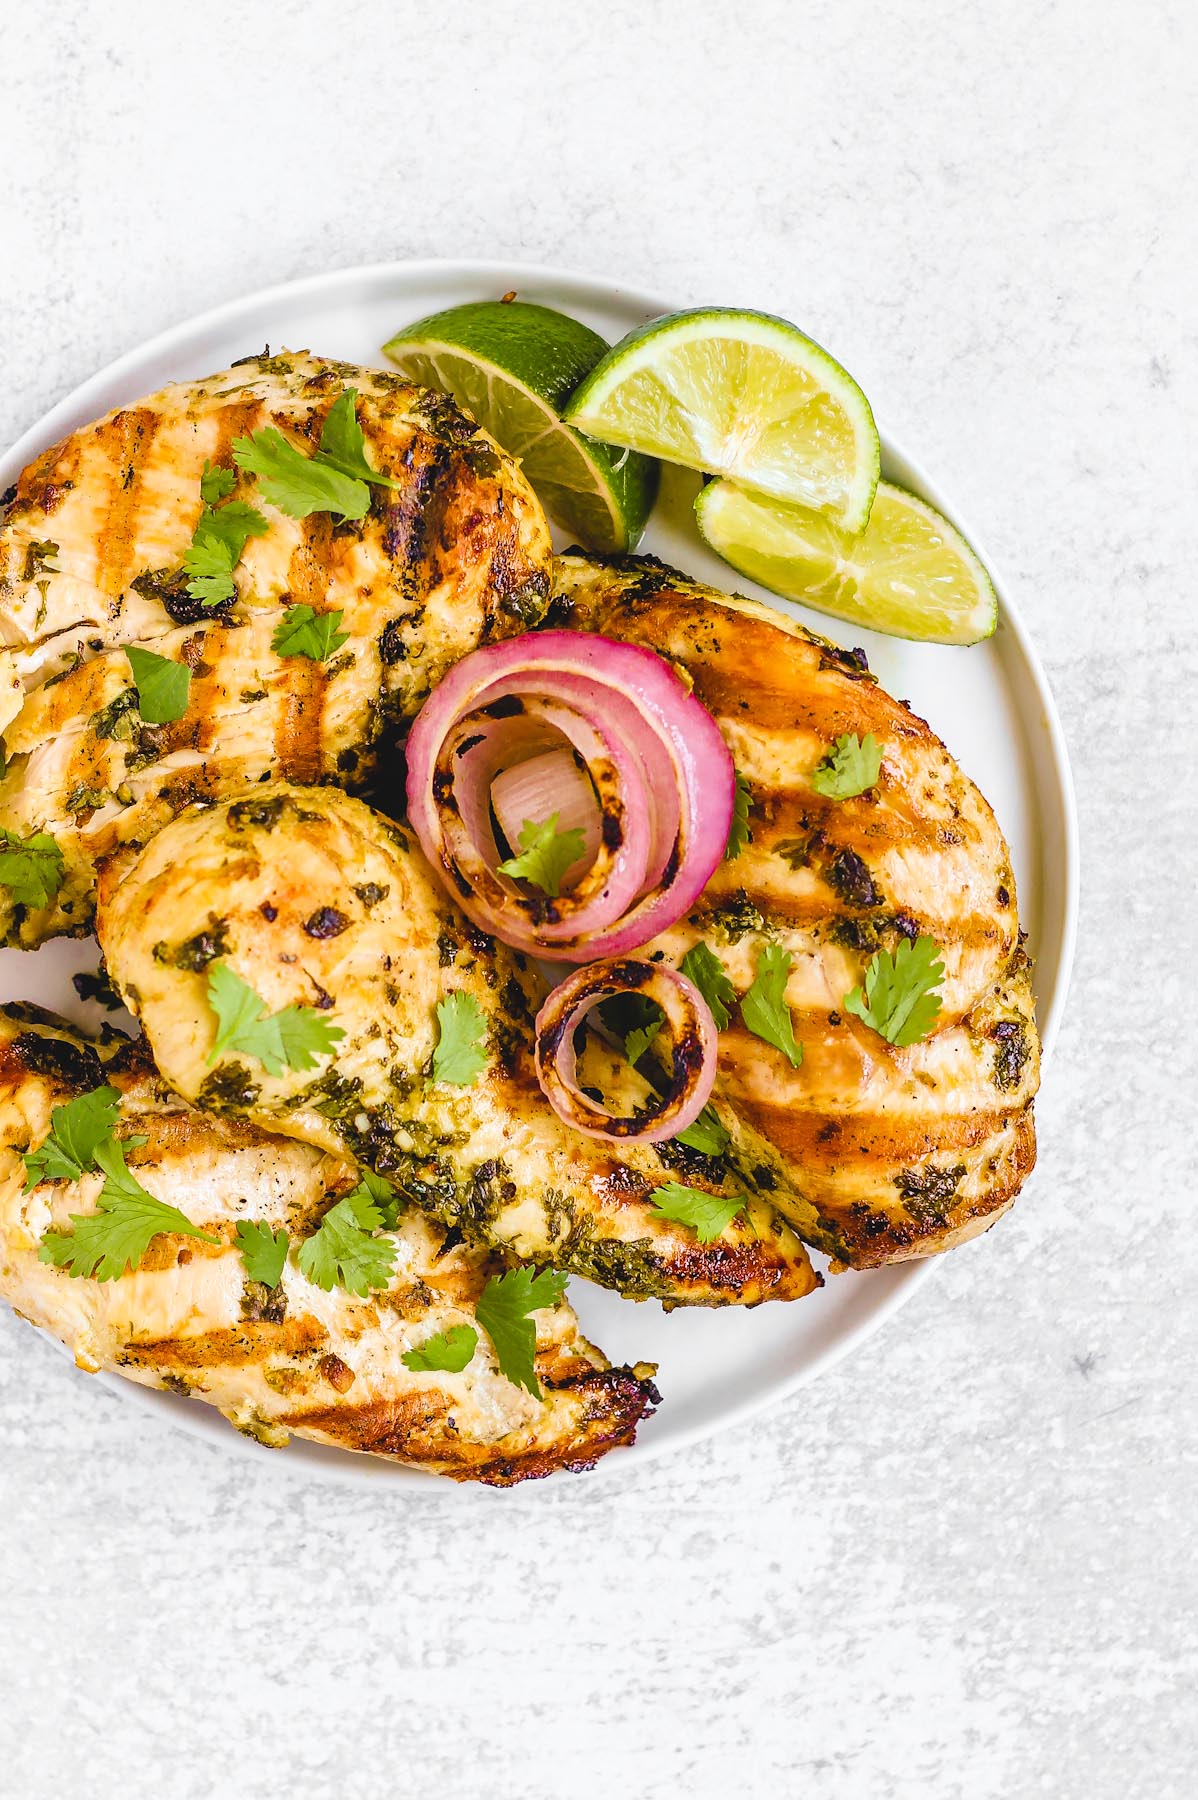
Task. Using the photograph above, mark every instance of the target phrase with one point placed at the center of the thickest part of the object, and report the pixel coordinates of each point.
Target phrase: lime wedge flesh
(909, 573)
(739, 394)
(512, 366)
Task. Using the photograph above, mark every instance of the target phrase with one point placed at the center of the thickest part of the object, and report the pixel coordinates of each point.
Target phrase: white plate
(990, 704)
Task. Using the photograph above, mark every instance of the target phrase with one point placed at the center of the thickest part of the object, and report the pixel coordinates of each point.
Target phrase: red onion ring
(662, 774)
(694, 1046)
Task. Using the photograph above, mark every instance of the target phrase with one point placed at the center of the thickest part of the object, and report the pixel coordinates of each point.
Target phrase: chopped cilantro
(216, 484)
(706, 1134)
(216, 548)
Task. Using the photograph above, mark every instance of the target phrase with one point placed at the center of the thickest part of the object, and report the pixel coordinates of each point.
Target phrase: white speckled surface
(962, 1565)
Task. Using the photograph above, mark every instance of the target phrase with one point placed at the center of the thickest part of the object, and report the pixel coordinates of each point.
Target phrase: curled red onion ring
(662, 775)
(694, 1045)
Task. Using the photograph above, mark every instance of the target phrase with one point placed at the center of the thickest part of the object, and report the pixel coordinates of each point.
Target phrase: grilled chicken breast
(881, 1153)
(91, 552)
(326, 1366)
(314, 900)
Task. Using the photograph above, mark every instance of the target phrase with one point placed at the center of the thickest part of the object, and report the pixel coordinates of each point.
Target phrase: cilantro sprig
(293, 1038)
(545, 854)
(504, 1309)
(32, 868)
(708, 1215)
(76, 1132)
(739, 833)
(336, 478)
(343, 1251)
(106, 1244)
(850, 768)
(219, 539)
(459, 1056)
(702, 966)
(446, 1350)
(901, 1000)
(163, 686)
(764, 1010)
(304, 632)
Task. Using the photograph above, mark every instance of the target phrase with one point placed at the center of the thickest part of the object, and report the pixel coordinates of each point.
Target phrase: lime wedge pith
(739, 394)
(909, 573)
(512, 366)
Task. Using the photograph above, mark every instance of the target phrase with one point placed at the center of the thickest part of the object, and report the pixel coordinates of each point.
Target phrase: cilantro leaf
(545, 854)
(901, 1000)
(503, 1312)
(764, 1010)
(459, 1056)
(162, 685)
(107, 1244)
(702, 966)
(31, 868)
(293, 1038)
(851, 767)
(383, 1195)
(215, 483)
(37, 559)
(343, 442)
(76, 1132)
(639, 1039)
(344, 1253)
(449, 1350)
(216, 548)
(706, 1134)
(708, 1215)
(738, 832)
(298, 484)
(304, 632)
(263, 1251)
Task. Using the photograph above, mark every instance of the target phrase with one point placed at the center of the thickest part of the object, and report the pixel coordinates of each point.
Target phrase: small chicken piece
(91, 552)
(880, 1153)
(313, 900)
(293, 1358)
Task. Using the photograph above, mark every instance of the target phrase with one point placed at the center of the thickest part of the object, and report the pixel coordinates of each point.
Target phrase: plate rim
(320, 1463)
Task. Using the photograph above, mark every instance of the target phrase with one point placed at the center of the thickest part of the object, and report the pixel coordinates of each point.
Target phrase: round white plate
(990, 704)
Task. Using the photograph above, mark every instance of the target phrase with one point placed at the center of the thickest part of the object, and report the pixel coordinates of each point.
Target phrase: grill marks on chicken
(326, 1366)
(91, 552)
(880, 1153)
(490, 1158)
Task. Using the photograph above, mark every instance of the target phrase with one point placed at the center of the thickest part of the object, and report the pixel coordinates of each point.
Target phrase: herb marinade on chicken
(293, 1359)
(314, 900)
(880, 1152)
(91, 553)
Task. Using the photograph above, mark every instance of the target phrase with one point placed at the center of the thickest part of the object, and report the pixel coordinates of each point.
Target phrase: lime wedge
(909, 573)
(740, 394)
(513, 366)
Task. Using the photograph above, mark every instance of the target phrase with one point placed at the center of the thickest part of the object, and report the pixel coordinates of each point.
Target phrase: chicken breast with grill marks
(91, 552)
(292, 1359)
(314, 900)
(881, 1153)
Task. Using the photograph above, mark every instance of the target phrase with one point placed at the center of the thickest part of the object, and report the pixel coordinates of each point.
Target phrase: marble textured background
(962, 1565)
